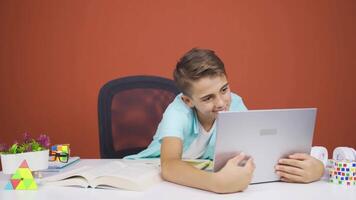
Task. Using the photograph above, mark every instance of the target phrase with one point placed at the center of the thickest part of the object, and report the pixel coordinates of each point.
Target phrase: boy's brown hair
(196, 64)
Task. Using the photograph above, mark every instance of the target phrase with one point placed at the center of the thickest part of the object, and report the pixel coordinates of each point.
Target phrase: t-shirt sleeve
(172, 124)
(237, 104)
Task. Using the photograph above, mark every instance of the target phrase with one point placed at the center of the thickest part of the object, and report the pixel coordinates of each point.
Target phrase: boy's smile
(209, 95)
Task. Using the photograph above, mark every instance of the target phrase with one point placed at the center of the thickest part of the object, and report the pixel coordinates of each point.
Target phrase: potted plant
(34, 151)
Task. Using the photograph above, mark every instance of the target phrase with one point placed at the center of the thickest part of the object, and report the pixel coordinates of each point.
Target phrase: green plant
(27, 145)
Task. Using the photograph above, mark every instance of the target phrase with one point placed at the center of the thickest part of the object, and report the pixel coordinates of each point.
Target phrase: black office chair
(130, 110)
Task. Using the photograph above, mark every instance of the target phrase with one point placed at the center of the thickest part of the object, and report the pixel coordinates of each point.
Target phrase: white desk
(168, 191)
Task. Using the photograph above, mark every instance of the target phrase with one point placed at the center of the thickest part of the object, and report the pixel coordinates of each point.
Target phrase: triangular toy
(22, 179)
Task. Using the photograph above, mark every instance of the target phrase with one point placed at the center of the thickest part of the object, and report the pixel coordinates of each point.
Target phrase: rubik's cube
(343, 172)
(60, 149)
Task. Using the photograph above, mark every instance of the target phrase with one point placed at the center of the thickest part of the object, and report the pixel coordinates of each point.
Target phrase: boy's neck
(206, 123)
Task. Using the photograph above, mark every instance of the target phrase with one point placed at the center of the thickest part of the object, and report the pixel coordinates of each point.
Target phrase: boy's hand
(233, 177)
(300, 167)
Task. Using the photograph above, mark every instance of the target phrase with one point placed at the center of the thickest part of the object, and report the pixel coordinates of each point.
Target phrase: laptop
(265, 135)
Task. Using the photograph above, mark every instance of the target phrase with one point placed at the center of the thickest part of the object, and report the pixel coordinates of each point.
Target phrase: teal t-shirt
(179, 120)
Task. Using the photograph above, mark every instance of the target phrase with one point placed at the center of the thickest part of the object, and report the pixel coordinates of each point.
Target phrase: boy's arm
(300, 167)
(231, 178)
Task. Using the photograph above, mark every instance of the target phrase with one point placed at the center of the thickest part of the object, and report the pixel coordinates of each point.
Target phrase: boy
(187, 130)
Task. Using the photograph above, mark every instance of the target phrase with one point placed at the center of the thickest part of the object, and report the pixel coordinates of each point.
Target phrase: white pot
(37, 160)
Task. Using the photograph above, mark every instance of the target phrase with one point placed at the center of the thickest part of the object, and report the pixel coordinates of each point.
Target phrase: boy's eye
(224, 90)
(207, 99)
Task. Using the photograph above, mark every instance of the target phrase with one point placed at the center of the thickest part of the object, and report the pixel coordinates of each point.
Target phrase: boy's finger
(291, 162)
(299, 156)
(290, 177)
(290, 169)
(250, 164)
(237, 159)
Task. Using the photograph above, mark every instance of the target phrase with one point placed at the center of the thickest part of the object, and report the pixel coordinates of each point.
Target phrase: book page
(125, 175)
(73, 177)
(115, 174)
(76, 181)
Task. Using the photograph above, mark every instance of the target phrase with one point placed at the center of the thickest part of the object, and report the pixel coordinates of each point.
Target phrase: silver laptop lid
(266, 135)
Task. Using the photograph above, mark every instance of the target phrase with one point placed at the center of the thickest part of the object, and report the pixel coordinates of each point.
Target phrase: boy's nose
(219, 103)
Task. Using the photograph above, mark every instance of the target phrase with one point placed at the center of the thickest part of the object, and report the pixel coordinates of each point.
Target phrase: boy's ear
(187, 100)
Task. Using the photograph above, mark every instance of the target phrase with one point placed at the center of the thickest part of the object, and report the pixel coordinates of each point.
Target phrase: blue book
(55, 166)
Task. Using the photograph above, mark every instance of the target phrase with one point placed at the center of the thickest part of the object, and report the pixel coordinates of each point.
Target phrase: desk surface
(166, 190)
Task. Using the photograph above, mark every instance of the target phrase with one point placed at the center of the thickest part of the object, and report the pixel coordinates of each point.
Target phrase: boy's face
(209, 95)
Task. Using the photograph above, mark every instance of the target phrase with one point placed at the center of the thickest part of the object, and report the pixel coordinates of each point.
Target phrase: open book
(115, 174)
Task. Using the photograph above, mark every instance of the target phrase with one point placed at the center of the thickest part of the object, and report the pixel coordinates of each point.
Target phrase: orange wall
(55, 55)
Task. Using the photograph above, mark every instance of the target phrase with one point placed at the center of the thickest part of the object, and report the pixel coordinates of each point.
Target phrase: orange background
(55, 56)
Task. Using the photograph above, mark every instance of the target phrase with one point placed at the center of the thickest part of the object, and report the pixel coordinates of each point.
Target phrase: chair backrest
(130, 109)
